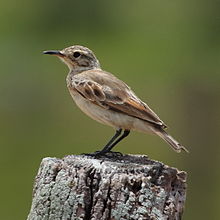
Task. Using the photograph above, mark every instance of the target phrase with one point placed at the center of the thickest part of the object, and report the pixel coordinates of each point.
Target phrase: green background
(167, 51)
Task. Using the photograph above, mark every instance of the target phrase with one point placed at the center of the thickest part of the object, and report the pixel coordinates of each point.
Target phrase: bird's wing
(109, 92)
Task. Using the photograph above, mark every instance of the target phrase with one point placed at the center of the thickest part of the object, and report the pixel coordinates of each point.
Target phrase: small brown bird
(107, 99)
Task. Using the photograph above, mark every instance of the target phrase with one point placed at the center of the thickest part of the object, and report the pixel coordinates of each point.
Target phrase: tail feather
(171, 141)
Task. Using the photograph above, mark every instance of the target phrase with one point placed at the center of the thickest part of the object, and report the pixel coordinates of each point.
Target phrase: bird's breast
(101, 114)
(92, 110)
(107, 116)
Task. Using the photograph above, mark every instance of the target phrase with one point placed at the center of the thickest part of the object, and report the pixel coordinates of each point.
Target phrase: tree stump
(111, 187)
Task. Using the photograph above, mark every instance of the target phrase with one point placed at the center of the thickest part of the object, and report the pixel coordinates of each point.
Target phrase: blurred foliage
(167, 51)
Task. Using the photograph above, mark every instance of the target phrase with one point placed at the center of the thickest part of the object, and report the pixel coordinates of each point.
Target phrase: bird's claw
(95, 154)
(105, 154)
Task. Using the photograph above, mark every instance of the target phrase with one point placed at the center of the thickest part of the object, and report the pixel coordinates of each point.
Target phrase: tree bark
(114, 187)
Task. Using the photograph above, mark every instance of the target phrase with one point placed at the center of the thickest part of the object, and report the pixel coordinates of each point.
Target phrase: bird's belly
(102, 115)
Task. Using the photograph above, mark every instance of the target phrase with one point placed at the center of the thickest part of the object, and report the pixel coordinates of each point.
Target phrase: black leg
(105, 149)
(125, 134)
(111, 143)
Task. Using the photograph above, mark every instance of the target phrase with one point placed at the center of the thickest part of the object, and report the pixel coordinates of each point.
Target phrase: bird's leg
(125, 134)
(117, 133)
(111, 143)
(105, 148)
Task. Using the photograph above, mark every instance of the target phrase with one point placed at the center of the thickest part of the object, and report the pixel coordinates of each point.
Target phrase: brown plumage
(107, 99)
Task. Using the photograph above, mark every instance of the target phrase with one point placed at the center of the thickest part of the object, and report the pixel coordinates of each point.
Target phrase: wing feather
(109, 92)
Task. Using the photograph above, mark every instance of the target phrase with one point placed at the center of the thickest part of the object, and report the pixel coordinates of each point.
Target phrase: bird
(108, 100)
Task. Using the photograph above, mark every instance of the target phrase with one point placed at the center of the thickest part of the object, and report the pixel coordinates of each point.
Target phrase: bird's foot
(108, 154)
(95, 154)
(114, 154)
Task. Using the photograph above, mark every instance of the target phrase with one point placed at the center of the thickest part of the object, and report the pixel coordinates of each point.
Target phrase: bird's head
(77, 58)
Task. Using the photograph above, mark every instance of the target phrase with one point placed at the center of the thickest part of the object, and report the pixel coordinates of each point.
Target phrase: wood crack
(114, 188)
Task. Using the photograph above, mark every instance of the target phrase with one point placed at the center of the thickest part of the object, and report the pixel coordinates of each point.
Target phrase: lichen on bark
(114, 187)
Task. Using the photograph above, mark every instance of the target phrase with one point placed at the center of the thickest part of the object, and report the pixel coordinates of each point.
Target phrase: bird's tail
(171, 141)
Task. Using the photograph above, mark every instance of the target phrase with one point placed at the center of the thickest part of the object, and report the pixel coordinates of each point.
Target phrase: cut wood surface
(114, 187)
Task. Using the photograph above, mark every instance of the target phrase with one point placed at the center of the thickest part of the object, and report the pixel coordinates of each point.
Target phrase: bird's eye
(76, 54)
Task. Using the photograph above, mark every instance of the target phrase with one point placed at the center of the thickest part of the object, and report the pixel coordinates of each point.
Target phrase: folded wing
(109, 92)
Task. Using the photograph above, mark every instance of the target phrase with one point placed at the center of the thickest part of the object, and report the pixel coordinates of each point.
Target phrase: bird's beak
(54, 52)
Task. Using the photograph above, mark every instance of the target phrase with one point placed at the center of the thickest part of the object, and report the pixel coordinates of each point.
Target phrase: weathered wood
(119, 187)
